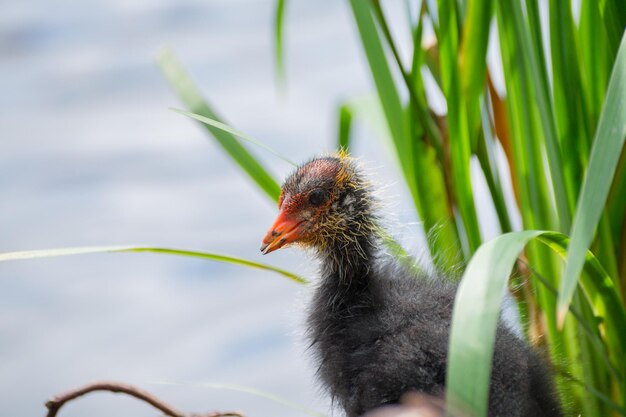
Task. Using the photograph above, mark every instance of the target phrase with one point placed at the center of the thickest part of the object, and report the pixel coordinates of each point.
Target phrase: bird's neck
(347, 272)
(349, 249)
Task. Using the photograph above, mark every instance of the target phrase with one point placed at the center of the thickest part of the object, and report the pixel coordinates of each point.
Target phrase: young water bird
(377, 329)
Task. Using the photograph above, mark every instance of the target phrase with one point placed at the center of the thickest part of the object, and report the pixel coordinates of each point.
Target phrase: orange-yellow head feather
(325, 202)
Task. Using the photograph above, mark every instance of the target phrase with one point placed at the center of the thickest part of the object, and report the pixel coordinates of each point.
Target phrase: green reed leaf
(477, 310)
(279, 59)
(191, 97)
(344, 126)
(233, 131)
(474, 48)
(48, 253)
(607, 148)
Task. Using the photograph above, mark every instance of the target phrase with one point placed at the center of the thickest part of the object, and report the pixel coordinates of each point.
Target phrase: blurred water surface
(91, 155)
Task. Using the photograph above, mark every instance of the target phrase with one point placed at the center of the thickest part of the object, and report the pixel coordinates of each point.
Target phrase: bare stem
(56, 402)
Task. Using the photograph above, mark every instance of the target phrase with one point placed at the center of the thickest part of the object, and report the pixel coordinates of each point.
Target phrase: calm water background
(91, 155)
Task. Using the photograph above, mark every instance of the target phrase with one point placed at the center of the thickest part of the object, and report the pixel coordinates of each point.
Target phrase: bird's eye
(318, 197)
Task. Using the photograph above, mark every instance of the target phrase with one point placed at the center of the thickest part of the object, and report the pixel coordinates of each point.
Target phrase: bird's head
(324, 203)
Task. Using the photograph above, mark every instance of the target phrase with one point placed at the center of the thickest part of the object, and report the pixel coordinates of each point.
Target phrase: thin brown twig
(56, 402)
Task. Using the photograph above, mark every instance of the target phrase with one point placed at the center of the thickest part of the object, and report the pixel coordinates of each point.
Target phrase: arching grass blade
(232, 131)
(191, 97)
(477, 309)
(48, 253)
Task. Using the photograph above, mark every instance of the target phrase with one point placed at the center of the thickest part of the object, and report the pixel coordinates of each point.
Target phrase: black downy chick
(377, 330)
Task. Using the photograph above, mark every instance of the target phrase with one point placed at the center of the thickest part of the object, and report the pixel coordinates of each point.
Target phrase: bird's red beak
(286, 229)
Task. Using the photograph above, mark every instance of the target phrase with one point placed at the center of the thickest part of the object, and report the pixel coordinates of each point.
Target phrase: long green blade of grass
(534, 202)
(605, 153)
(397, 127)
(614, 15)
(385, 86)
(460, 139)
(477, 309)
(569, 95)
(594, 56)
(412, 80)
(368, 110)
(234, 132)
(534, 198)
(191, 97)
(475, 315)
(544, 107)
(474, 47)
(48, 253)
(604, 299)
(344, 127)
(423, 152)
(279, 59)
(487, 158)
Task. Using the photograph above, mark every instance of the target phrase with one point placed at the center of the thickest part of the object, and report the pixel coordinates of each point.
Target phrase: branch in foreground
(56, 402)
